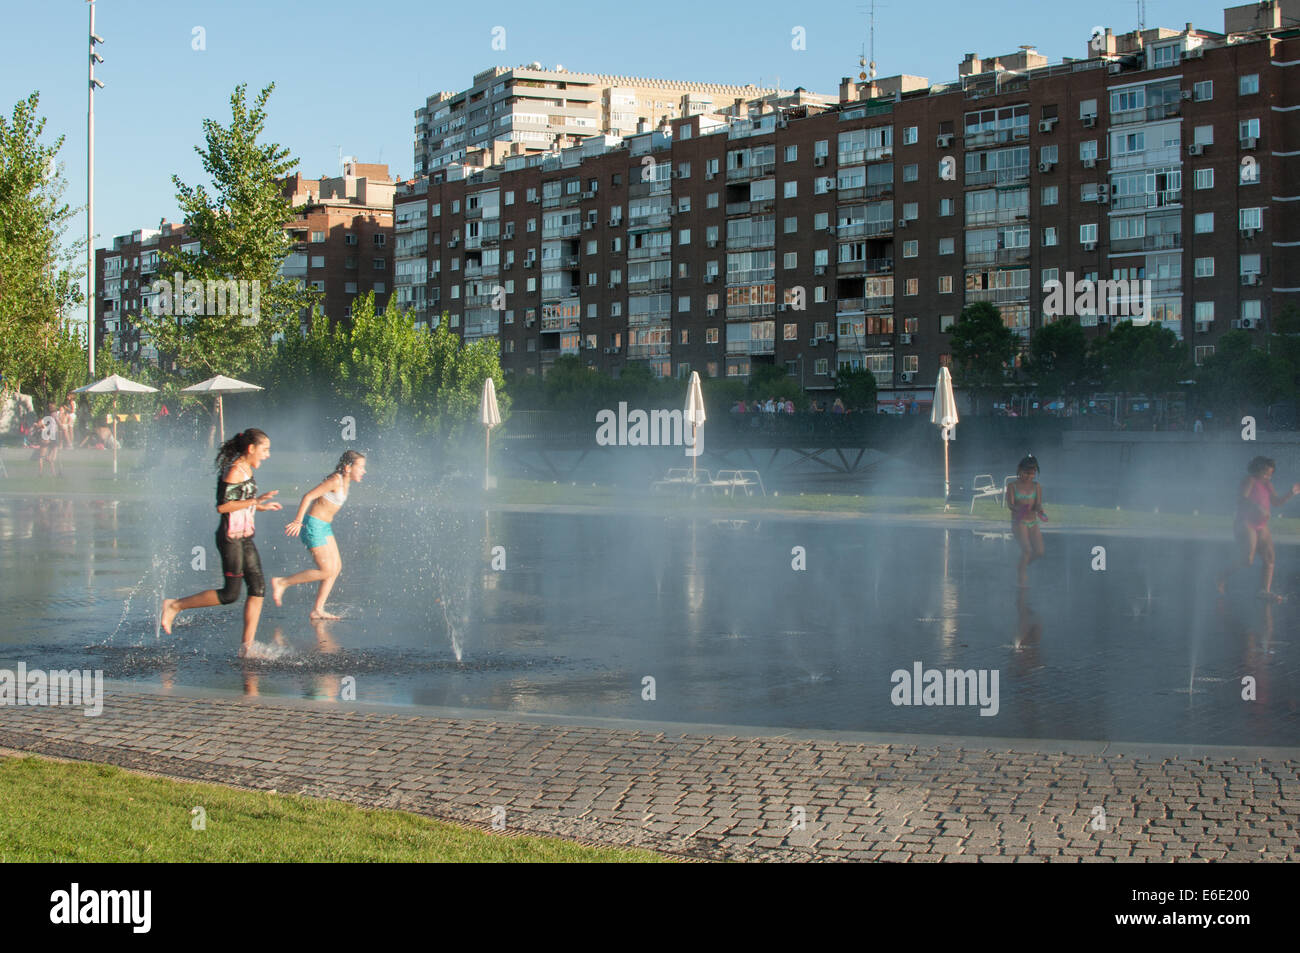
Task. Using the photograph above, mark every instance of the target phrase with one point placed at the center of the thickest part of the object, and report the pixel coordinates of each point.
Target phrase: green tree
(38, 272)
(982, 350)
(1239, 376)
(856, 389)
(1058, 360)
(239, 227)
(1140, 359)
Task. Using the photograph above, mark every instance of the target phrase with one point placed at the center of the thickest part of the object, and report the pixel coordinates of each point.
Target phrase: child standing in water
(237, 500)
(1254, 504)
(1025, 501)
(317, 533)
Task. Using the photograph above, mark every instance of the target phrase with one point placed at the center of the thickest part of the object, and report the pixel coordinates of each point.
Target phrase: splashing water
(159, 567)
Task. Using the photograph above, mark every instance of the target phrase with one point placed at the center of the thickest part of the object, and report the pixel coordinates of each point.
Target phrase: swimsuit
(239, 557)
(1261, 497)
(1021, 511)
(317, 532)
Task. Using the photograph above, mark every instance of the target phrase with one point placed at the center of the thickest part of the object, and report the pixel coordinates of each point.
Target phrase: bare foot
(277, 589)
(169, 611)
(321, 614)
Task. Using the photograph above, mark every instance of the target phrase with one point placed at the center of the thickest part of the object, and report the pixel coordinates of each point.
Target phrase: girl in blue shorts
(317, 532)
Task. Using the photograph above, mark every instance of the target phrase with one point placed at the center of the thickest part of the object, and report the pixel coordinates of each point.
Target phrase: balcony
(993, 137)
(998, 295)
(1170, 155)
(648, 251)
(746, 311)
(409, 224)
(998, 177)
(479, 301)
(560, 324)
(869, 266)
(649, 220)
(408, 279)
(751, 172)
(1147, 200)
(1161, 242)
(761, 346)
(649, 286)
(648, 350)
(648, 318)
(740, 242)
(1147, 114)
(473, 213)
(563, 231)
(851, 306)
(997, 256)
(878, 303)
(751, 277)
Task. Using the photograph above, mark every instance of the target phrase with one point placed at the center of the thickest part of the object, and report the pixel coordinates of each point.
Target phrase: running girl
(1025, 501)
(1254, 505)
(317, 533)
(237, 501)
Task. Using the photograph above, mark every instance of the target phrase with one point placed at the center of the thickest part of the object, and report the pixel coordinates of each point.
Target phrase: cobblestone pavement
(711, 795)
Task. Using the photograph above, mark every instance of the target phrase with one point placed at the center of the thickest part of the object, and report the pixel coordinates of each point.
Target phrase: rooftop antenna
(867, 63)
(1142, 15)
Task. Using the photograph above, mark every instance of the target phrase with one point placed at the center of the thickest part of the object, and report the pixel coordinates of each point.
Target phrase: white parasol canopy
(115, 384)
(695, 418)
(944, 413)
(219, 385)
(490, 415)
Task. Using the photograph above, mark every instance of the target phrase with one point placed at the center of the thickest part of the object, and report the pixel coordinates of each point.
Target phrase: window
(1248, 129)
(911, 211)
(821, 366)
(435, 210)
(790, 259)
(1250, 264)
(911, 172)
(350, 287)
(1204, 178)
(946, 321)
(1048, 154)
(1203, 311)
(912, 286)
(684, 236)
(1087, 107)
(380, 240)
(317, 237)
(509, 197)
(1204, 268)
(791, 189)
(1203, 351)
(909, 135)
(1088, 233)
(821, 220)
(791, 153)
(1251, 218)
(318, 261)
(593, 278)
(911, 363)
(1088, 149)
(1049, 236)
(1247, 84)
(683, 170)
(1049, 277)
(1051, 195)
(349, 238)
(945, 284)
(1204, 223)
(1251, 310)
(710, 335)
(711, 200)
(790, 332)
(1162, 56)
(821, 257)
(1203, 135)
(821, 148)
(378, 264)
(455, 206)
(684, 304)
(947, 207)
(947, 246)
(911, 249)
(1203, 92)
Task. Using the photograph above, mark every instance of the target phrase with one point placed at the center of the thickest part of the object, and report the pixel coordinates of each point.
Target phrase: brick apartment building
(342, 235)
(816, 237)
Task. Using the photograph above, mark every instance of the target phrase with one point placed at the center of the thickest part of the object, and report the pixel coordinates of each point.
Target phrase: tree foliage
(982, 350)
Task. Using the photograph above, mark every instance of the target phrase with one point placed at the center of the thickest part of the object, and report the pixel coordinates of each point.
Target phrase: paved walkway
(723, 796)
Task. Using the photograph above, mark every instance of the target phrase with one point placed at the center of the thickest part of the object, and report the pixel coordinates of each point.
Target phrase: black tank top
(228, 492)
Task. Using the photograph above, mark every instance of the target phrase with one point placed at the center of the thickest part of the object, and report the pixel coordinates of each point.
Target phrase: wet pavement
(804, 625)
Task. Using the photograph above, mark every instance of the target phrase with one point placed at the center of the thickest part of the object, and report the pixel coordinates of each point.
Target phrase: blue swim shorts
(315, 532)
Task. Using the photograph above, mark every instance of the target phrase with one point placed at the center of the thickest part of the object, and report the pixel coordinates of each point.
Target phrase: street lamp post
(90, 192)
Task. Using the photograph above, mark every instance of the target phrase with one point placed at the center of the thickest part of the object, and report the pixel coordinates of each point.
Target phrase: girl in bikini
(1254, 505)
(237, 500)
(318, 535)
(1025, 501)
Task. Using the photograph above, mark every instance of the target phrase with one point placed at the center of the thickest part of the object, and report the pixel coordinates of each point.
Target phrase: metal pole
(90, 194)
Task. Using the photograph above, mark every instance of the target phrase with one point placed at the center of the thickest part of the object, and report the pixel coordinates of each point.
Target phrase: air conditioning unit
(1103, 194)
(908, 376)
(1089, 246)
(615, 222)
(905, 339)
(1195, 53)
(1202, 327)
(588, 195)
(712, 243)
(819, 160)
(710, 278)
(1089, 121)
(902, 223)
(613, 284)
(1116, 68)
(588, 226)
(1249, 142)
(1195, 149)
(813, 342)
(452, 243)
(611, 350)
(710, 312)
(819, 270)
(710, 174)
(1187, 94)
(1250, 278)
(1090, 163)
(830, 337)
(782, 123)
(1245, 324)
(529, 263)
(1046, 166)
(943, 140)
(1247, 233)
(831, 229)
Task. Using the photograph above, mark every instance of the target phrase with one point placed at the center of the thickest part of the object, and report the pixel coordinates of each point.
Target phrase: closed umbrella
(221, 385)
(115, 384)
(695, 419)
(944, 413)
(491, 417)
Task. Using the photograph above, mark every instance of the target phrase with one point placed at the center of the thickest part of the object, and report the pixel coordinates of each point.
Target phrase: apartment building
(529, 109)
(852, 235)
(343, 246)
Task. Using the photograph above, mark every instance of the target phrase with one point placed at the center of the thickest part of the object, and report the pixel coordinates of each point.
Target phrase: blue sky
(350, 74)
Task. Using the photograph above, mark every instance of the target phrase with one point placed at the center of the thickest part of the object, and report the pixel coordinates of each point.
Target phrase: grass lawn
(57, 811)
